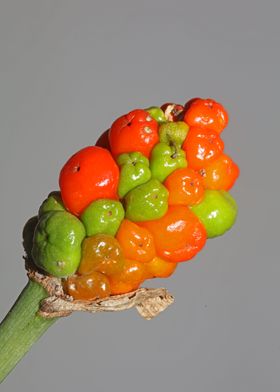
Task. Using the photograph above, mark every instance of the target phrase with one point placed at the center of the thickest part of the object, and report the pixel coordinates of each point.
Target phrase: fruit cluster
(144, 198)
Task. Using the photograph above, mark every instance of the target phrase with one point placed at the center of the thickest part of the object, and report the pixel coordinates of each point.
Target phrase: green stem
(22, 327)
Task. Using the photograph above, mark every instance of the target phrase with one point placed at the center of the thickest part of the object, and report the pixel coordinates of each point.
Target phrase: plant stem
(22, 327)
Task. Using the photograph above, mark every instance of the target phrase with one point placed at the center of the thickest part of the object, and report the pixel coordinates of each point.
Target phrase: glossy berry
(137, 242)
(88, 287)
(134, 171)
(147, 201)
(221, 174)
(165, 159)
(136, 131)
(156, 113)
(202, 147)
(88, 175)
(101, 253)
(159, 268)
(178, 235)
(133, 274)
(184, 186)
(217, 211)
(206, 113)
(103, 216)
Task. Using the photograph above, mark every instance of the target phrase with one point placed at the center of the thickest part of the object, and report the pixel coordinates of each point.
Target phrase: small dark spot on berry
(110, 213)
(76, 169)
(202, 172)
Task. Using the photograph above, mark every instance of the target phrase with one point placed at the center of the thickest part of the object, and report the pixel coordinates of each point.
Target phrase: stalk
(22, 327)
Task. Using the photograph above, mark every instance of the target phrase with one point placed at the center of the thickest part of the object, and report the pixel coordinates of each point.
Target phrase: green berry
(52, 203)
(165, 159)
(157, 114)
(57, 243)
(147, 202)
(134, 171)
(103, 216)
(173, 133)
(217, 211)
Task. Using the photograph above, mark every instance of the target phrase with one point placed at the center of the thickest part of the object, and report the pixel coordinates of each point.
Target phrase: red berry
(88, 175)
(206, 113)
(202, 147)
(135, 131)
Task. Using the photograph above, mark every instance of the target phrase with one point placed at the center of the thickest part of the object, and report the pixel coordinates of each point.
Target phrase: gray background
(67, 70)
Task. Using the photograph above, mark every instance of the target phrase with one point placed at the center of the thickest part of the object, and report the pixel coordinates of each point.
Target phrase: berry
(88, 287)
(57, 243)
(135, 131)
(137, 242)
(101, 253)
(221, 174)
(202, 147)
(52, 203)
(217, 212)
(206, 113)
(134, 171)
(157, 114)
(159, 268)
(133, 274)
(165, 159)
(173, 133)
(88, 175)
(103, 216)
(178, 235)
(147, 201)
(184, 187)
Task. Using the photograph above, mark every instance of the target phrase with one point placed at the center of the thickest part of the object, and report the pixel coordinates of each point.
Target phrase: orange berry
(137, 242)
(221, 174)
(184, 186)
(133, 274)
(178, 235)
(159, 268)
(206, 113)
(88, 287)
(202, 147)
(103, 253)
